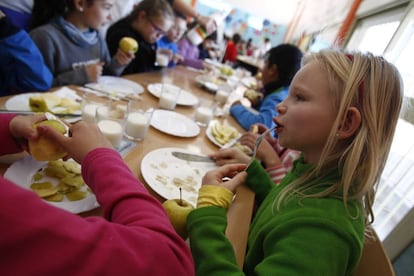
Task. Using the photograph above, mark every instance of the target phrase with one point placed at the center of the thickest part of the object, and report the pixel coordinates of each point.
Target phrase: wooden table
(239, 214)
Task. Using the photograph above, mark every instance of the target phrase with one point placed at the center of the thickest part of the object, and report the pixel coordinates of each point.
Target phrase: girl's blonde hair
(374, 86)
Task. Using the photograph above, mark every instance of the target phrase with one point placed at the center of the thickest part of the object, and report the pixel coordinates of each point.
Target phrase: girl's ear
(79, 5)
(351, 124)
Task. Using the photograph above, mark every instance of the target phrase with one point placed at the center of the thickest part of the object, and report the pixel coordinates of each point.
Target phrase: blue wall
(236, 21)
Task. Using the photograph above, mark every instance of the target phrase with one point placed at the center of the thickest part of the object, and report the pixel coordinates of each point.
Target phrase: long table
(239, 213)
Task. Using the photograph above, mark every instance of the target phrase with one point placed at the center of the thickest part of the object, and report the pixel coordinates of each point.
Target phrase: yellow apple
(128, 44)
(45, 149)
(178, 210)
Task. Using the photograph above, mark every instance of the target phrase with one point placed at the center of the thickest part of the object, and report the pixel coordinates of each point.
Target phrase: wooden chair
(374, 260)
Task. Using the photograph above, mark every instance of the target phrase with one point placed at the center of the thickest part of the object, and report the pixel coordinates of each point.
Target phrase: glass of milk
(204, 113)
(221, 96)
(137, 121)
(169, 96)
(162, 59)
(89, 104)
(110, 119)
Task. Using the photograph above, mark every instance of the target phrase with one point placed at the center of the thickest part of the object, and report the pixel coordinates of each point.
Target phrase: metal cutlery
(26, 112)
(256, 145)
(192, 157)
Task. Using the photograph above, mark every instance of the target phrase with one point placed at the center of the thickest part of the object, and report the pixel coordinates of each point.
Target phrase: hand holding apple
(45, 149)
(128, 44)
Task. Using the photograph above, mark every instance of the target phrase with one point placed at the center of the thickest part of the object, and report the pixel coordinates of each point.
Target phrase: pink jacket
(287, 156)
(134, 237)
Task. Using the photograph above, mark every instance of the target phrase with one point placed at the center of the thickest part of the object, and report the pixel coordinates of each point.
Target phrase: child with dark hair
(66, 34)
(231, 52)
(147, 23)
(281, 64)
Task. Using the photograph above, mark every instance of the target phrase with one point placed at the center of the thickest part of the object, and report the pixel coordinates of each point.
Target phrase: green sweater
(314, 236)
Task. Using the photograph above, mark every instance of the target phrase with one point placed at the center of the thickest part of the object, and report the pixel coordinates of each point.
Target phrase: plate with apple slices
(61, 179)
(166, 174)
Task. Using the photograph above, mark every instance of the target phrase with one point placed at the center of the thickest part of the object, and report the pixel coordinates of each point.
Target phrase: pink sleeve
(277, 173)
(7, 143)
(135, 237)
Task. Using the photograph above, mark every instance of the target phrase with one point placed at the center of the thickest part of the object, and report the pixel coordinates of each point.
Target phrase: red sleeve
(135, 237)
(7, 143)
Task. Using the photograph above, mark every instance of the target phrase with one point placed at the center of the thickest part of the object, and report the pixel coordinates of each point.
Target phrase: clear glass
(204, 113)
(169, 96)
(137, 121)
(110, 119)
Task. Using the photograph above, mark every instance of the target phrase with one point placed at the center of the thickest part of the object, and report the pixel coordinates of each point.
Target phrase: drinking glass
(89, 104)
(138, 120)
(204, 113)
(169, 96)
(110, 119)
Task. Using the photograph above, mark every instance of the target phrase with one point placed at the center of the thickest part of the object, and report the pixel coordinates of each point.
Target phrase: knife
(27, 112)
(192, 157)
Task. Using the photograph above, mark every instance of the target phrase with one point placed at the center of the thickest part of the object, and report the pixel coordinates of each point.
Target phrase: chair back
(374, 260)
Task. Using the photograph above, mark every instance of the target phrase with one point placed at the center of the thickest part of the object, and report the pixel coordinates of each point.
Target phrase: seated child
(169, 41)
(147, 23)
(66, 34)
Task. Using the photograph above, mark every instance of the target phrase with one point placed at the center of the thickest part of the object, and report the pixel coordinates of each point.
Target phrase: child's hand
(178, 58)
(230, 156)
(265, 152)
(235, 172)
(76, 145)
(94, 71)
(124, 58)
(21, 128)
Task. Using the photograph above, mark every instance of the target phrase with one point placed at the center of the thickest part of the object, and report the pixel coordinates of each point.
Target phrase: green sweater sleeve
(212, 252)
(259, 181)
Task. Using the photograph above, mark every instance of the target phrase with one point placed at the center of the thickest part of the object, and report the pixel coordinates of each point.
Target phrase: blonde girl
(341, 113)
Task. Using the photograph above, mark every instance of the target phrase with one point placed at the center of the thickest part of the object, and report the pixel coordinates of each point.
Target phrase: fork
(256, 145)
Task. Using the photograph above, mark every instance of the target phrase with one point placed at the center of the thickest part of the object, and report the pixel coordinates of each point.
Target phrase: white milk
(136, 125)
(162, 59)
(203, 115)
(221, 96)
(89, 113)
(167, 101)
(112, 130)
(102, 112)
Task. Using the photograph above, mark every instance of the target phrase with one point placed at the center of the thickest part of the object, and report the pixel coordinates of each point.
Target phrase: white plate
(214, 141)
(174, 123)
(21, 101)
(21, 173)
(207, 81)
(213, 62)
(116, 86)
(185, 98)
(160, 168)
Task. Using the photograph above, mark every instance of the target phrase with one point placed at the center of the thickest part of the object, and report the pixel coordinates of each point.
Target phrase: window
(389, 35)
(366, 35)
